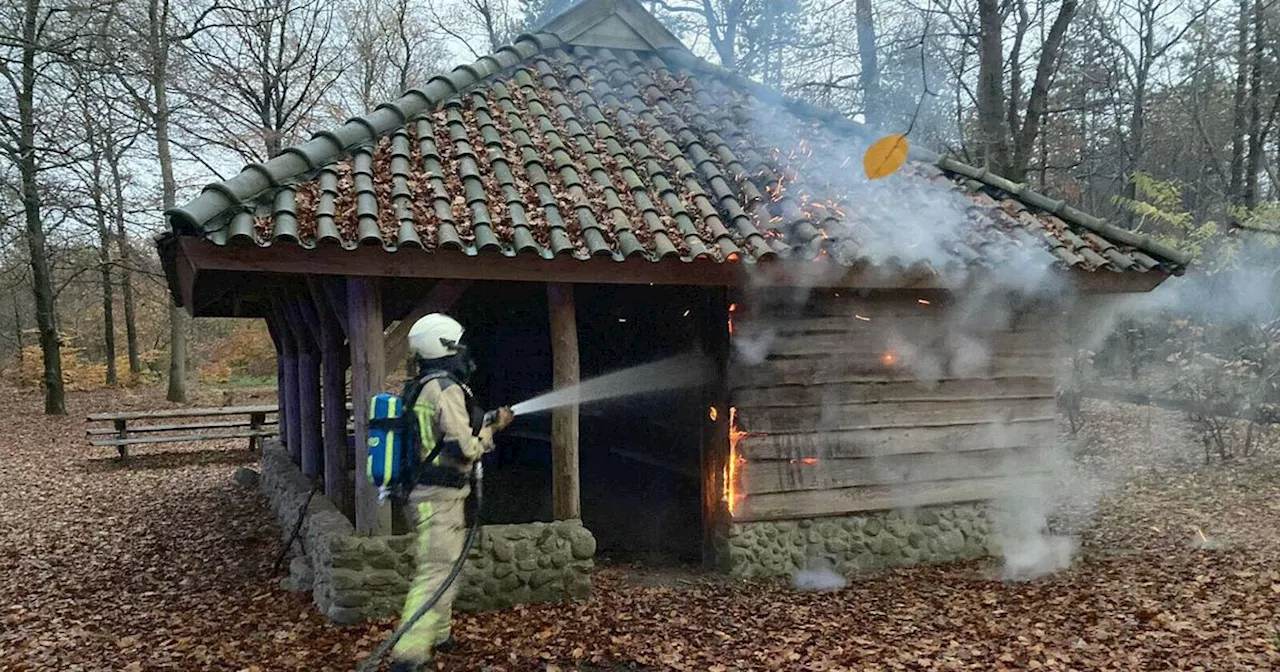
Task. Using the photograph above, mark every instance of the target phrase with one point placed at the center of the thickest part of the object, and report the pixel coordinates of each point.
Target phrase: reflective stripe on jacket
(450, 425)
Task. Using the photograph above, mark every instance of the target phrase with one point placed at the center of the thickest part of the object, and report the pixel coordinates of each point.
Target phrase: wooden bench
(133, 428)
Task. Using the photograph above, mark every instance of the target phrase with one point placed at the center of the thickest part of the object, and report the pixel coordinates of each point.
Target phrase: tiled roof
(550, 149)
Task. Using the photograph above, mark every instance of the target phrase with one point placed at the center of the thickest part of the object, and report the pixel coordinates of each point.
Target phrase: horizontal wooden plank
(802, 394)
(935, 346)
(143, 429)
(905, 323)
(897, 440)
(866, 368)
(182, 413)
(819, 474)
(816, 503)
(182, 438)
(809, 419)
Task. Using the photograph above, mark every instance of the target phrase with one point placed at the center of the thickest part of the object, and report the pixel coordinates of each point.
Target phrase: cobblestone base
(849, 543)
(355, 578)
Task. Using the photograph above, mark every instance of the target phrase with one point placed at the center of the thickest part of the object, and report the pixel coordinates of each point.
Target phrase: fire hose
(371, 663)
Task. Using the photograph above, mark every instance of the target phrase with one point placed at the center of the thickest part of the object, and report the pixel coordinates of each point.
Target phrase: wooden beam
(715, 433)
(210, 261)
(364, 321)
(440, 298)
(374, 261)
(335, 290)
(565, 499)
(301, 320)
(338, 460)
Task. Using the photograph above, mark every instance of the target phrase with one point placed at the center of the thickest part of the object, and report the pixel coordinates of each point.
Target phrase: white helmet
(435, 336)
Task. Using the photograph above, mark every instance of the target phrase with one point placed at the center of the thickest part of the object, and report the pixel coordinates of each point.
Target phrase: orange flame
(732, 496)
(889, 358)
(733, 308)
(804, 460)
(714, 414)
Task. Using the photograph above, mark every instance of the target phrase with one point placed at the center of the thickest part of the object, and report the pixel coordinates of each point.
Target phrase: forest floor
(165, 563)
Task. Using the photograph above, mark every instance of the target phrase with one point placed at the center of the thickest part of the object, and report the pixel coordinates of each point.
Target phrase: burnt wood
(715, 427)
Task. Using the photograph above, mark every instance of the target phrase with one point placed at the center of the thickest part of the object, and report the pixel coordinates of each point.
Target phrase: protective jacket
(446, 417)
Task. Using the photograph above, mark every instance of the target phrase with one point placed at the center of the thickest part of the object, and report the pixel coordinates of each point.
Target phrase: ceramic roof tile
(548, 150)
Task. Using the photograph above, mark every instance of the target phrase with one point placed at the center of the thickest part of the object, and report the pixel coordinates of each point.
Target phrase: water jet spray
(681, 371)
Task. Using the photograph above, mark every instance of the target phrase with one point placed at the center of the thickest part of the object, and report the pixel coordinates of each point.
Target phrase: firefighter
(445, 416)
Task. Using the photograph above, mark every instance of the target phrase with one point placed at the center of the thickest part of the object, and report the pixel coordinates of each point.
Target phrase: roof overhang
(207, 277)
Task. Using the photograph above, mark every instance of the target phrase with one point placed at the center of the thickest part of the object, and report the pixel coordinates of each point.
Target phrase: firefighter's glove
(501, 419)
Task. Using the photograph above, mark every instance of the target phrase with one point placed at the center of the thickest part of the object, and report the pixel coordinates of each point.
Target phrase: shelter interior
(639, 454)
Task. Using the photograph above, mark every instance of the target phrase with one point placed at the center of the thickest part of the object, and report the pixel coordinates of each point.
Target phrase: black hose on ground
(371, 663)
(297, 527)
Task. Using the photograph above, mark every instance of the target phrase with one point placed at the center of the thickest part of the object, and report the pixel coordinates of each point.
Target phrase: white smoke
(900, 225)
(821, 579)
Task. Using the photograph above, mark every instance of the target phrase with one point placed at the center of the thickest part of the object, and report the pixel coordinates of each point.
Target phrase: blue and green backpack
(393, 439)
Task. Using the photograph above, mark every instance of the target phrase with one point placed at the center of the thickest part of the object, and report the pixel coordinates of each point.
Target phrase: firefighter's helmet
(435, 336)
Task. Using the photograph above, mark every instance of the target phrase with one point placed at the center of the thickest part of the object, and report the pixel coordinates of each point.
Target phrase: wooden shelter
(600, 156)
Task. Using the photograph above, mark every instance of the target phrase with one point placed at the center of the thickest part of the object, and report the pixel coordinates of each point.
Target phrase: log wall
(889, 400)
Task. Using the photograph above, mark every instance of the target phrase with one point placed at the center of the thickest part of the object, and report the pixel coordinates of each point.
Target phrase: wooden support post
(715, 434)
(565, 502)
(306, 384)
(338, 484)
(282, 412)
(364, 332)
(304, 323)
(289, 398)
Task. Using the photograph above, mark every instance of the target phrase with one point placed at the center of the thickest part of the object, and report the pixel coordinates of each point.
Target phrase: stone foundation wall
(857, 542)
(355, 578)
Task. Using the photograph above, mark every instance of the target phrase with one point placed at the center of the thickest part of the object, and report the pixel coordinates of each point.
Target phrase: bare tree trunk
(993, 147)
(104, 264)
(17, 329)
(1014, 97)
(126, 269)
(1038, 102)
(1235, 190)
(41, 282)
(1253, 163)
(157, 15)
(870, 76)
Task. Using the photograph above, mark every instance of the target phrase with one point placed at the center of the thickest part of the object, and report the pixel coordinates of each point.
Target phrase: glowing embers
(733, 308)
(890, 358)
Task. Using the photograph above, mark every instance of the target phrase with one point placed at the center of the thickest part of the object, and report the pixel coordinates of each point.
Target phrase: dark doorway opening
(639, 456)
